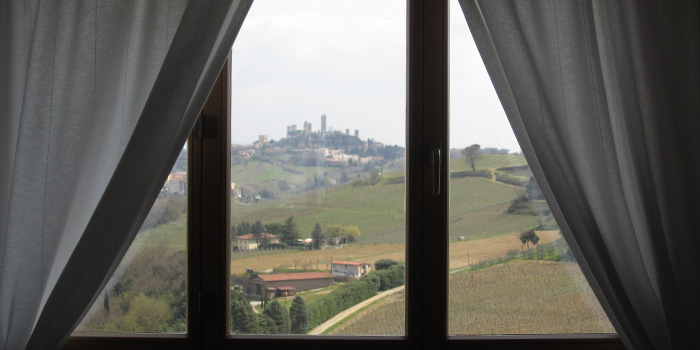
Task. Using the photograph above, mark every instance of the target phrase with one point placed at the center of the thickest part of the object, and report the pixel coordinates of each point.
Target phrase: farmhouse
(284, 284)
(249, 242)
(354, 269)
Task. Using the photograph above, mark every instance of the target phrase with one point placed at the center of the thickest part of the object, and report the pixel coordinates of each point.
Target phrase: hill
(478, 205)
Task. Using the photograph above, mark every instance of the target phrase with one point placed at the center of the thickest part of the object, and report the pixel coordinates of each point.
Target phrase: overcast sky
(295, 60)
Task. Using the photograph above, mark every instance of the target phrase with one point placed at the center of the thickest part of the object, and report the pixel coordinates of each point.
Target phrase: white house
(248, 242)
(349, 269)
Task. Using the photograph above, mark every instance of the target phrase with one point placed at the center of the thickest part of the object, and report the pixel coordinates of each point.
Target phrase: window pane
(511, 272)
(318, 168)
(147, 293)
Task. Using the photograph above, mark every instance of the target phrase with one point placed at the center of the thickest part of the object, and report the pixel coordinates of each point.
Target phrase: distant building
(262, 139)
(357, 133)
(248, 242)
(176, 182)
(281, 284)
(292, 130)
(307, 127)
(347, 131)
(323, 123)
(353, 269)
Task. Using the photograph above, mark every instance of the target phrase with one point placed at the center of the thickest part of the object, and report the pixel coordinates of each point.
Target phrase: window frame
(427, 218)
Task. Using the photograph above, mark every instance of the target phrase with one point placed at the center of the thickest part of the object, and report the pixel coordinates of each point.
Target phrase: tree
(257, 231)
(528, 236)
(317, 236)
(375, 177)
(352, 233)
(289, 234)
(243, 228)
(384, 264)
(332, 231)
(243, 320)
(274, 228)
(299, 316)
(279, 315)
(472, 154)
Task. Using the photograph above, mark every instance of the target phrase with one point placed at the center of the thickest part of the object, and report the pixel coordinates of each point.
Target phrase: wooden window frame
(427, 220)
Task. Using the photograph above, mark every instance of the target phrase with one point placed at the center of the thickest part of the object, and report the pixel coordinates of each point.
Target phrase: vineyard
(531, 297)
(386, 317)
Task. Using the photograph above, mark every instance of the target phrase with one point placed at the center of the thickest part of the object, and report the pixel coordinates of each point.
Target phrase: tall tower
(323, 123)
(347, 131)
(357, 133)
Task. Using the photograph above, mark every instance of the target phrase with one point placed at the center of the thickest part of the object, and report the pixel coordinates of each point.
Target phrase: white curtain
(96, 101)
(603, 97)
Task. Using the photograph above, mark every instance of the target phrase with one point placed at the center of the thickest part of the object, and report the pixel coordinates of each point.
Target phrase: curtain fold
(98, 99)
(603, 97)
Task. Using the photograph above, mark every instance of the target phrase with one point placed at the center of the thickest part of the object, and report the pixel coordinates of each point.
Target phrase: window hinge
(205, 127)
(206, 303)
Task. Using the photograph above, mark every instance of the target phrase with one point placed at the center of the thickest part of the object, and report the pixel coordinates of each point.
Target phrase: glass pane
(511, 272)
(317, 175)
(147, 292)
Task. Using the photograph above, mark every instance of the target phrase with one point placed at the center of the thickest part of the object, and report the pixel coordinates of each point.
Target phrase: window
(427, 219)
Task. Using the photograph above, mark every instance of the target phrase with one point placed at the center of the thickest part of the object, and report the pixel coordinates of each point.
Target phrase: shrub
(479, 173)
(395, 180)
(273, 246)
(511, 180)
(521, 206)
(384, 264)
(360, 182)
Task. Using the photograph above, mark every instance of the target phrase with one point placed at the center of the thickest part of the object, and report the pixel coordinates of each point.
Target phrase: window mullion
(427, 212)
(210, 302)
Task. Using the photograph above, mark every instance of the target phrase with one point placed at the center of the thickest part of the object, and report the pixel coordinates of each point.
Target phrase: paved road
(347, 312)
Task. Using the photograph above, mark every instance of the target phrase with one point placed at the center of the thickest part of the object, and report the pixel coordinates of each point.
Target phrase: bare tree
(472, 154)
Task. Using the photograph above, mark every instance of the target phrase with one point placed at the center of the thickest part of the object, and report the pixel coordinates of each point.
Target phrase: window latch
(205, 127)
(436, 162)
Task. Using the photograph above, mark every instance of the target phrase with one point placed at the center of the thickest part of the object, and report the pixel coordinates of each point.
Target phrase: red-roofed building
(355, 269)
(284, 284)
(249, 242)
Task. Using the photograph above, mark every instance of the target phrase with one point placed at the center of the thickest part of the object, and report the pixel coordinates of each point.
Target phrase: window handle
(436, 161)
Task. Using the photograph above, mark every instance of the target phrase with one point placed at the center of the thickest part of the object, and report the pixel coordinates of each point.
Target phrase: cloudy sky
(296, 60)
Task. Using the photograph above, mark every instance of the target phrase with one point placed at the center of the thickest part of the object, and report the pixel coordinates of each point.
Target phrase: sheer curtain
(603, 97)
(96, 102)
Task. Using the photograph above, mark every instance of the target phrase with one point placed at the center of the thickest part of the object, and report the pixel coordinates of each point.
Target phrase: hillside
(478, 205)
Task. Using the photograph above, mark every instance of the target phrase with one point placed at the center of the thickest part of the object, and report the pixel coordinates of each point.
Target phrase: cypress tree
(279, 315)
(299, 316)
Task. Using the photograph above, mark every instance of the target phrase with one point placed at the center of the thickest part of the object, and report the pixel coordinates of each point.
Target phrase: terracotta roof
(250, 236)
(294, 276)
(355, 263)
